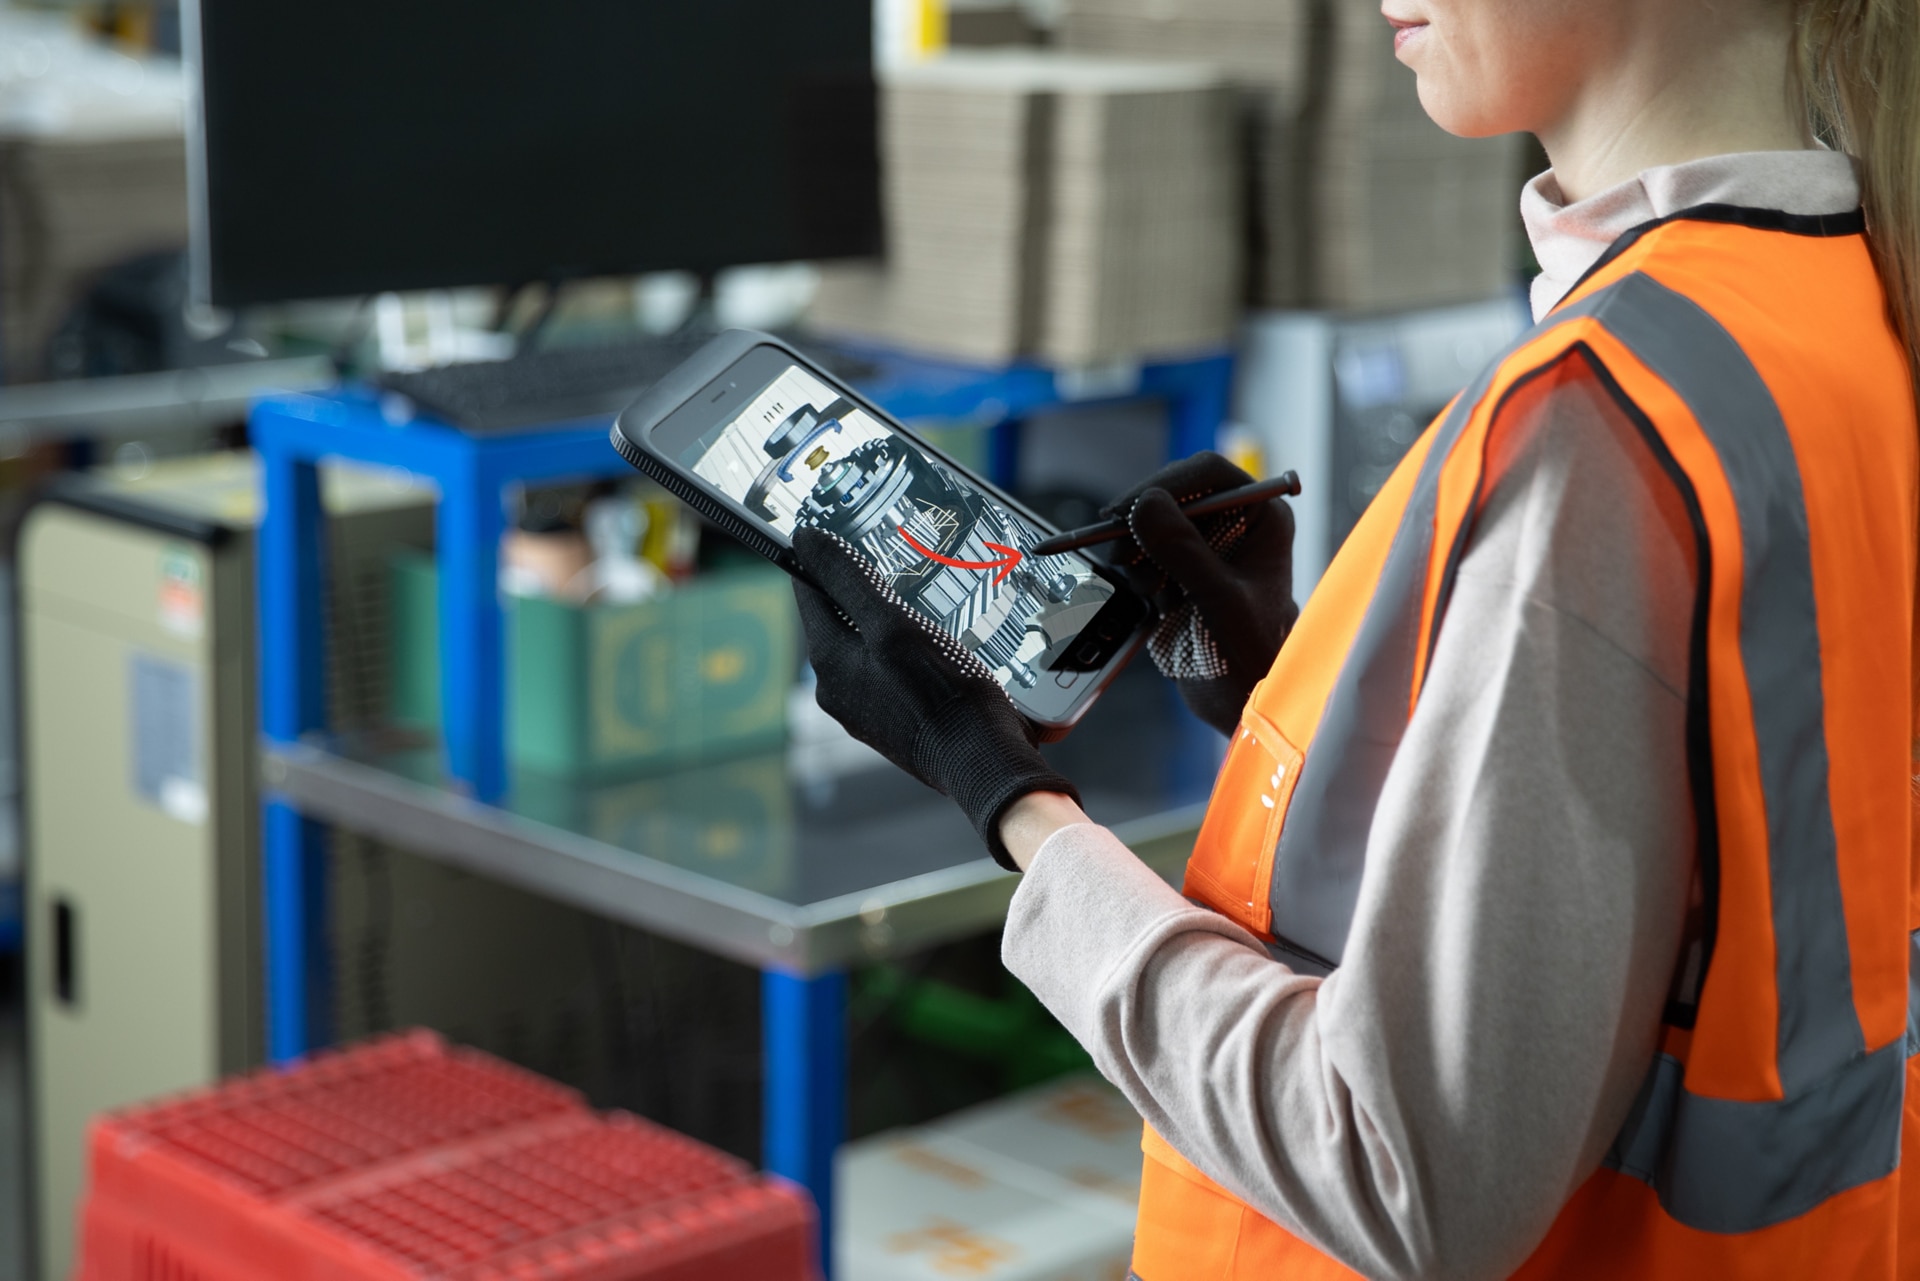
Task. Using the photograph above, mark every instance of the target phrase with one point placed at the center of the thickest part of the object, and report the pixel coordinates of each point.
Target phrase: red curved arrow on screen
(1009, 557)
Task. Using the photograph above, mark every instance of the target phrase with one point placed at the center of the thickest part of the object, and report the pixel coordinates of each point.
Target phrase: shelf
(758, 858)
(153, 404)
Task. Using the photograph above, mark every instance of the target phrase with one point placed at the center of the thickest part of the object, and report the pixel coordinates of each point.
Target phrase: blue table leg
(803, 1055)
(292, 642)
(472, 662)
(299, 977)
(1003, 452)
(293, 639)
(1198, 410)
(1197, 751)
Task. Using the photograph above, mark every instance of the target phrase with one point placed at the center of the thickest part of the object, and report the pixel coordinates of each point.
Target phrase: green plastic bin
(605, 691)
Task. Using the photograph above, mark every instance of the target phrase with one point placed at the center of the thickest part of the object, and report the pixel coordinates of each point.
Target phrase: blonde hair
(1858, 63)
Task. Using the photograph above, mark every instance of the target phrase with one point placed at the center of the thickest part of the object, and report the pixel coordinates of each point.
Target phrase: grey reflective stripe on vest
(1718, 1165)
(1780, 645)
(1913, 994)
(1721, 1165)
(1323, 846)
(1724, 1166)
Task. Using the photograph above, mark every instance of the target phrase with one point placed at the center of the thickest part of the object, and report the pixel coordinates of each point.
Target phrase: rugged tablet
(761, 441)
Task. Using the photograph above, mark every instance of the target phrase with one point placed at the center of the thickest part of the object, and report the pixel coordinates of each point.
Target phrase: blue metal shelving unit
(10, 934)
(803, 1015)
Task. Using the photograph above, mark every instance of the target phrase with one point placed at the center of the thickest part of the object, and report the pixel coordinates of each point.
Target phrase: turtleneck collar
(1570, 238)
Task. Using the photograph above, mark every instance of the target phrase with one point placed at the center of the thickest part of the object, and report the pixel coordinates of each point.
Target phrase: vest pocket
(1231, 868)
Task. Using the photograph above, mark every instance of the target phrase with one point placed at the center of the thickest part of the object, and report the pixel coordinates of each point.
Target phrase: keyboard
(555, 385)
(559, 384)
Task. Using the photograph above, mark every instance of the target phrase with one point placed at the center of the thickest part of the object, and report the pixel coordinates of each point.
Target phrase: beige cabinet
(141, 813)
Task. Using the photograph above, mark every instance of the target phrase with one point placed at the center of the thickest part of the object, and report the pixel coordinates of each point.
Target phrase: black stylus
(1286, 484)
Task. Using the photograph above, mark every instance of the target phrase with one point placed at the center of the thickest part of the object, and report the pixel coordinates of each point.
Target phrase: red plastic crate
(404, 1158)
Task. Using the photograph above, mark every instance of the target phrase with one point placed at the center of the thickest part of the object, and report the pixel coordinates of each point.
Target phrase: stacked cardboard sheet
(1258, 41)
(1410, 216)
(1078, 209)
(1265, 48)
(1358, 201)
(93, 170)
(1144, 248)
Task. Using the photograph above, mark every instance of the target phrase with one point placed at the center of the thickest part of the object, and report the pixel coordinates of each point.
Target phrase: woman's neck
(1674, 100)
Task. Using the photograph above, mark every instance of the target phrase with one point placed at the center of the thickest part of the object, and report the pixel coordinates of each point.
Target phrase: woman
(1551, 914)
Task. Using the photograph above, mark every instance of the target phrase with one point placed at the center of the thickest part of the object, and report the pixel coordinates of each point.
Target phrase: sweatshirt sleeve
(1427, 1109)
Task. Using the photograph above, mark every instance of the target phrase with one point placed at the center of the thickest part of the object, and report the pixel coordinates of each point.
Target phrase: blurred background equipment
(362, 146)
(1342, 397)
(143, 975)
(529, 151)
(92, 173)
(136, 599)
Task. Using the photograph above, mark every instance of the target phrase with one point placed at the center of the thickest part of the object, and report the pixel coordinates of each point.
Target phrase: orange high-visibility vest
(1753, 352)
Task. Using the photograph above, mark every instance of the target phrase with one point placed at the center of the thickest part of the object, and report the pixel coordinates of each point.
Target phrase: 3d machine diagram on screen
(828, 466)
(897, 505)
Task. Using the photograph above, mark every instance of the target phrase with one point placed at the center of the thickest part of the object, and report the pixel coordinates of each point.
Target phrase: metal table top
(765, 858)
(151, 404)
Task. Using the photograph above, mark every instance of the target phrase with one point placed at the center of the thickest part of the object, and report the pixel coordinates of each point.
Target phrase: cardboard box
(601, 691)
(1357, 201)
(1074, 208)
(1041, 1186)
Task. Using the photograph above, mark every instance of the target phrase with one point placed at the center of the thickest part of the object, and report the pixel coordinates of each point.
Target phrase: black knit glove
(908, 690)
(1224, 586)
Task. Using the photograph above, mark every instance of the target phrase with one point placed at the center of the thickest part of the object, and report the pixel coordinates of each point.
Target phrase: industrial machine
(138, 750)
(1340, 398)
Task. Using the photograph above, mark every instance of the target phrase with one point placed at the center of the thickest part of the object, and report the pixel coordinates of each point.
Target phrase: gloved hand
(907, 689)
(1224, 586)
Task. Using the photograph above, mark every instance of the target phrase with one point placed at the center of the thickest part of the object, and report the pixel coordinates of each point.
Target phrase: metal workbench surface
(765, 858)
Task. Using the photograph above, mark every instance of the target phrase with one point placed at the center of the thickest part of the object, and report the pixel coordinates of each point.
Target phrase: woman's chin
(1463, 114)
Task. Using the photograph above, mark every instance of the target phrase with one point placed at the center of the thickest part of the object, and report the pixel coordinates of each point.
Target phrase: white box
(1042, 1186)
(1078, 1132)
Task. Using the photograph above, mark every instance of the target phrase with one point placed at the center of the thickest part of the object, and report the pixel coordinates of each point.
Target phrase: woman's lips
(1405, 31)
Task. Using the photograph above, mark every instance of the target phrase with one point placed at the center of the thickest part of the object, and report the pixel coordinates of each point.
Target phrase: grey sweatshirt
(1427, 1109)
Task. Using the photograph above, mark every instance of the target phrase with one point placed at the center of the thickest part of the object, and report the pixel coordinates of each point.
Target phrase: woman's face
(1502, 66)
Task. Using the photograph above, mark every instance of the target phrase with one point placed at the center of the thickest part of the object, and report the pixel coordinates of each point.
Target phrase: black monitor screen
(355, 146)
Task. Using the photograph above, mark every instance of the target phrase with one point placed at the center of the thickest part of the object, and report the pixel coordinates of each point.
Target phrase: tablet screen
(799, 455)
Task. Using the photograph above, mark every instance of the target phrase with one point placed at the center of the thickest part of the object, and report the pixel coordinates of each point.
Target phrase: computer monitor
(345, 147)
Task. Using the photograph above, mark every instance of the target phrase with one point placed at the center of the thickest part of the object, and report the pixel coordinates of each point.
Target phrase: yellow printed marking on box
(954, 1248)
(723, 666)
(723, 840)
(1092, 1112)
(944, 1167)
